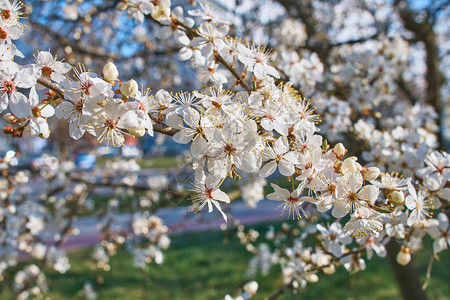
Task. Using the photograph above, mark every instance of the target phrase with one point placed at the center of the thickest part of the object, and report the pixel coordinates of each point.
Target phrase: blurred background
(304, 32)
(354, 59)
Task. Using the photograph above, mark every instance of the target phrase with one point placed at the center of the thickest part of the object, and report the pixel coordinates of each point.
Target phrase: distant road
(179, 220)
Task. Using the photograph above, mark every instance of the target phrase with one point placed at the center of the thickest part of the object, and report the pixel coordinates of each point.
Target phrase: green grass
(201, 266)
(146, 163)
(159, 163)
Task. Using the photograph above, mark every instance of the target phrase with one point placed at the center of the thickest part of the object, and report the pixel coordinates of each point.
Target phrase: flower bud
(160, 13)
(121, 6)
(10, 118)
(251, 288)
(312, 278)
(110, 72)
(11, 209)
(306, 255)
(350, 166)
(397, 197)
(137, 131)
(404, 256)
(129, 88)
(329, 270)
(339, 150)
(21, 177)
(8, 129)
(270, 235)
(371, 173)
(70, 12)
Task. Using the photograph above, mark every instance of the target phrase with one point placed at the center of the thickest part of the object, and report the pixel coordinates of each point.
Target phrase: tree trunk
(424, 32)
(434, 80)
(406, 276)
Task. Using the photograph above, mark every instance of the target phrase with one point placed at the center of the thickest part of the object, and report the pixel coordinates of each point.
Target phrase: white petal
(280, 194)
(76, 129)
(267, 124)
(281, 145)
(286, 167)
(146, 7)
(199, 147)
(34, 98)
(410, 202)
(184, 136)
(217, 205)
(443, 221)
(19, 105)
(259, 71)
(340, 209)
(44, 58)
(413, 217)
(61, 67)
(185, 53)
(4, 102)
(181, 37)
(47, 111)
(27, 77)
(220, 196)
(268, 169)
(444, 194)
(369, 193)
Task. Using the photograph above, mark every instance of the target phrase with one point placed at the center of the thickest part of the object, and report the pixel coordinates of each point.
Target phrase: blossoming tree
(347, 110)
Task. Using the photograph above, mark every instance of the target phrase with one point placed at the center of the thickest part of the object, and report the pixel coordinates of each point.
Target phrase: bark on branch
(158, 127)
(406, 276)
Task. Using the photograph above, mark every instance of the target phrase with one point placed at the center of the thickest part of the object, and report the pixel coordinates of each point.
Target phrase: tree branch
(64, 41)
(158, 127)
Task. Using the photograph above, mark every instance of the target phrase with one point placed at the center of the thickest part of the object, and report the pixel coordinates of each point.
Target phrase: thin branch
(281, 291)
(51, 86)
(360, 40)
(64, 41)
(158, 127)
(103, 183)
(405, 89)
(239, 79)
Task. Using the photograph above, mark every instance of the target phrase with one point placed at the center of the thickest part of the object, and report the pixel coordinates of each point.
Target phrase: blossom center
(47, 71)
(217, 105)
(292, 199)
(332, 188)
(110, 124)
(208, 193)
(141, 106)
(278, 157)
(229, 149)
(78, 106)
(303, 147)
(85, 86)
(36, 112)
(9, 87)
(302, 115)
(352, 197)
(6, 14)
(3, 34)
(199, 130)
(259, 60)
(270, 117)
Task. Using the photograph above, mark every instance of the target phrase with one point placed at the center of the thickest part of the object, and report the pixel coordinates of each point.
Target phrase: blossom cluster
(245, 122)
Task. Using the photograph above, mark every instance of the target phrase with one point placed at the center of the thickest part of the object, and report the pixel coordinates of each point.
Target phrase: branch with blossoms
(48, 219)
(245, 124)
